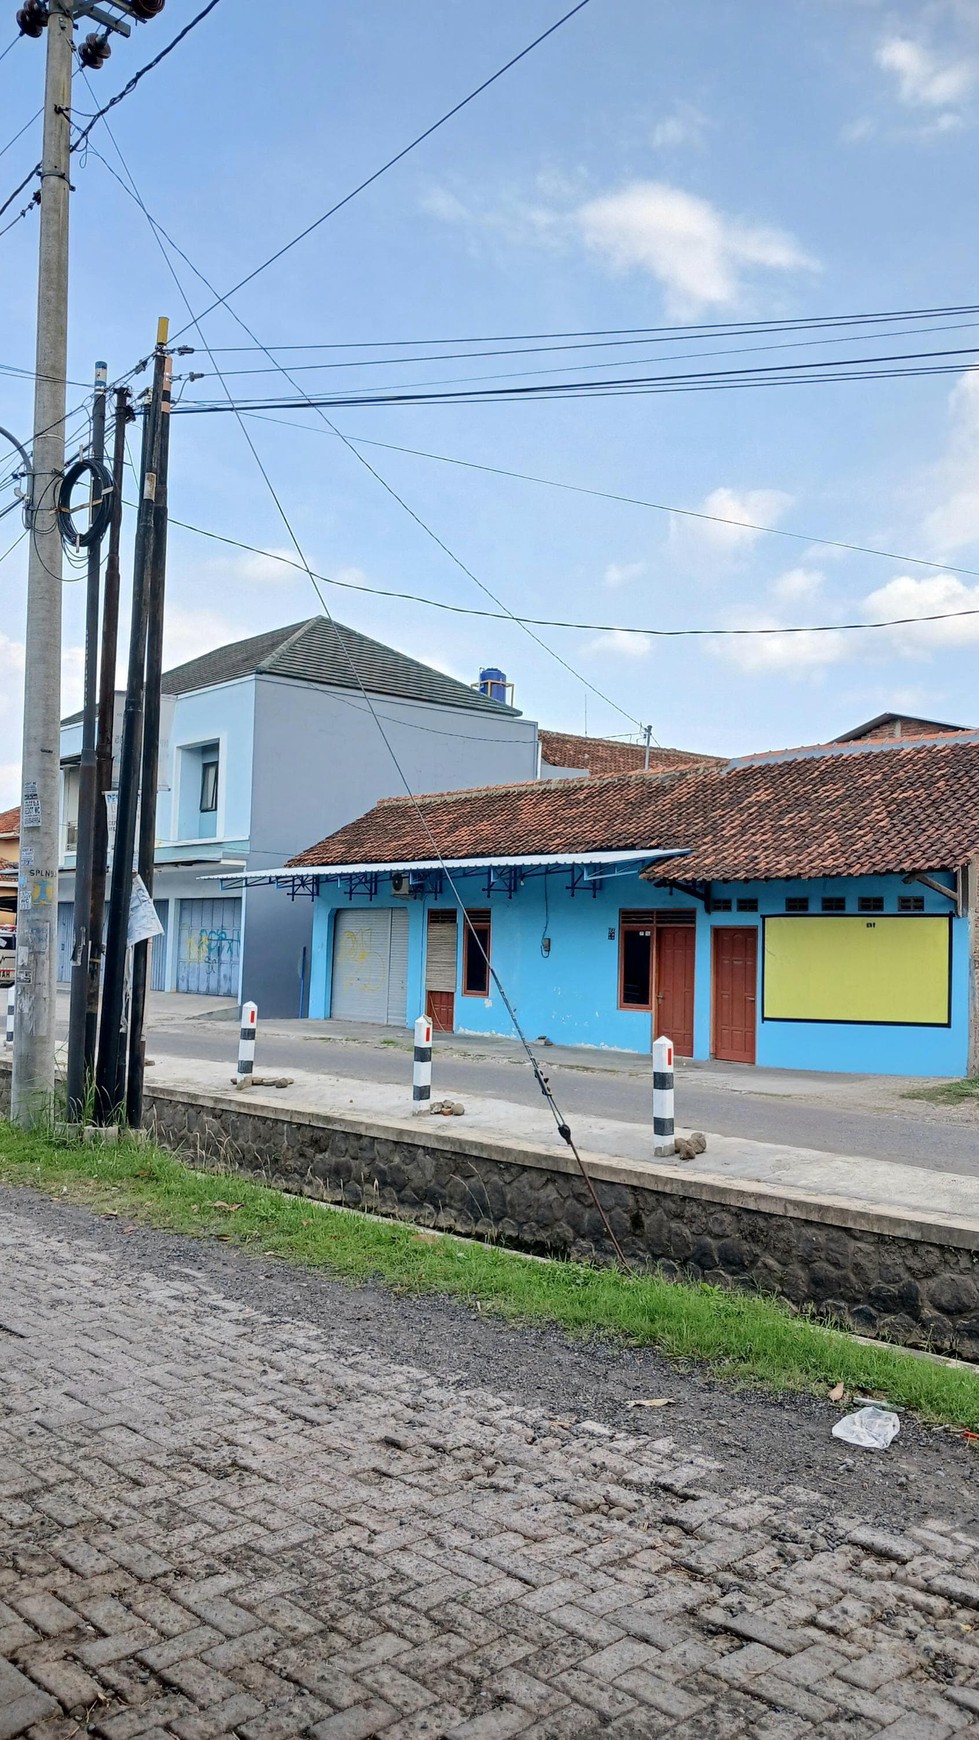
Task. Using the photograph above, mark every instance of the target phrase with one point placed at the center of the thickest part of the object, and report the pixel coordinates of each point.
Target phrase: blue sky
(650, 163)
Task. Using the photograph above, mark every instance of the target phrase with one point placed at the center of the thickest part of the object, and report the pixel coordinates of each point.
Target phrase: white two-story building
(267, 744)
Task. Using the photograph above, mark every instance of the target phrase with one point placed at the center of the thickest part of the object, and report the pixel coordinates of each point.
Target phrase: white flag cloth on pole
(144, 920)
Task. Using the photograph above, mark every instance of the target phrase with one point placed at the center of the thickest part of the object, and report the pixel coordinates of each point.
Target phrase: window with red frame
(476, 955)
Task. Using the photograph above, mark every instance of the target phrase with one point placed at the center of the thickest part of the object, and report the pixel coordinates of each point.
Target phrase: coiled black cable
(101, 477)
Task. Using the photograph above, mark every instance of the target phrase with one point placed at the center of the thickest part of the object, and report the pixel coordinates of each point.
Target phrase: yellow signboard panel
(892, 970)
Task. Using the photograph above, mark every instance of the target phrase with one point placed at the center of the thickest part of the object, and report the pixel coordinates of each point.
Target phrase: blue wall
(223, 715)
(571, 994)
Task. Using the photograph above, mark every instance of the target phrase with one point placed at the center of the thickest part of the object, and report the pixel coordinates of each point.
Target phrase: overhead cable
(160, 234)
(768, 374)
(798, 343)
(563, 1128)
(644, 502)
(397, 158)
(658, 633)
(150, 66)
(708, 329)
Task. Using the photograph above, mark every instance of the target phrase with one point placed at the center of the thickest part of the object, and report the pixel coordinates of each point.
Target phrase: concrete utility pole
(33, 1073)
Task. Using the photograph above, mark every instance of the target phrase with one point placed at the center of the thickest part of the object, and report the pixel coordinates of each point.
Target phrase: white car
(8, 936)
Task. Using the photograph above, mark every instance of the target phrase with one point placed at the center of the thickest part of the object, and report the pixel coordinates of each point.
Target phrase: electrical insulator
(94, 51)
(144, 10)
(32, 18)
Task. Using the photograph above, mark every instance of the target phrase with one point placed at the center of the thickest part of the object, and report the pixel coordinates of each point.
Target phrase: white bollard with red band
(246, 1041)
(663, 1131)
(421, 1081)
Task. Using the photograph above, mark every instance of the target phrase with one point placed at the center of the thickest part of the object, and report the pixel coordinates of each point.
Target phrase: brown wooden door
(673, 1013)
(734, 993)
(441, 968)
(440, 1009)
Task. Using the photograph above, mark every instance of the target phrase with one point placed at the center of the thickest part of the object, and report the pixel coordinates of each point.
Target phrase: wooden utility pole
(150, 778)
(87, 781)
(110, 1074)
(124, 415)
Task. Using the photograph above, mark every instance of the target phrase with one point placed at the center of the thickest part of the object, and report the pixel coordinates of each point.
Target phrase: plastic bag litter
(868, 1428)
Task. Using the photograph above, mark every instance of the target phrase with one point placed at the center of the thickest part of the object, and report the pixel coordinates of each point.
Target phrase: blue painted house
(807, 909)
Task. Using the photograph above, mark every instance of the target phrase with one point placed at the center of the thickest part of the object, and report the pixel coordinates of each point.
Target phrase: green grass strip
(740, 1335)
(947, 1093)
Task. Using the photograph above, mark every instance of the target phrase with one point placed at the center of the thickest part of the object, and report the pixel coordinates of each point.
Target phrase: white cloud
(806, 652)
(797, 585)
(856, 131)
(954, 522)
(620, 573)
(906, 595)
(738, 515)
(923, 79)
(700, 255)
(9, 784)
(440, 203)
(12, 706)
(685, 126)
(696, 252)
(190, 633)
(633, 646)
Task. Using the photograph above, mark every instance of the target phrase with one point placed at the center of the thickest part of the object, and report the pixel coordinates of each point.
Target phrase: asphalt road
(615, 1090)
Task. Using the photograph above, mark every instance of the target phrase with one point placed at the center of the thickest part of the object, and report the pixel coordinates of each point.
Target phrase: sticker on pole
(144, 920)
(30, 809)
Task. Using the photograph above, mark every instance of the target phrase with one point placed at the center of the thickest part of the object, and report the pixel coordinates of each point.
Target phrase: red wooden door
(673, 1014)
(440, 1009)
(735, 990)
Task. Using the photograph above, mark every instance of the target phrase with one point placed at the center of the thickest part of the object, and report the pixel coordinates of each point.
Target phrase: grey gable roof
(320, 651)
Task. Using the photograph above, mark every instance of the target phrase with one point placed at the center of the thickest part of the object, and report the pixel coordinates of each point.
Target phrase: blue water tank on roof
(493, 684)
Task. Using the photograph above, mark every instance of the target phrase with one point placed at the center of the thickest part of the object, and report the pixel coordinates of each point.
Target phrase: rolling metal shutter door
(397, 1011)
(158, 948)
(209, 947)
(440, 959)
(361, 956)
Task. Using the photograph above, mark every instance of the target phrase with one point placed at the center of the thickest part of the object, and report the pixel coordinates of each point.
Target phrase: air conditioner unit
(401, 885)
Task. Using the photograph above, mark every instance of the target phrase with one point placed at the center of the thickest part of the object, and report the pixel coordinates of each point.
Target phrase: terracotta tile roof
(839, 810)
(561, 815)
(10, 821)
(897, 725)
(599, 755)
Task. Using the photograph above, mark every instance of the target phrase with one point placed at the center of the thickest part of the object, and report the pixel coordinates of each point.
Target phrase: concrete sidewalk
(170, 1012)
(802, 1172)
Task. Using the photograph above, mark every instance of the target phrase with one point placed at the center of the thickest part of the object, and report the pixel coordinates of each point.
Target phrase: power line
(710, 328)
(657, 633)
(11, 45)
(524, 374)
(377, 173)
(196, 321)
(150, 66)
(642, 501)
(20, 133)
(715, 379)
(99, 114)
(561, 1124)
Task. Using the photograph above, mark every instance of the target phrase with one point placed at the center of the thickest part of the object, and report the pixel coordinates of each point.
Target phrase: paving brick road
(212, 1525)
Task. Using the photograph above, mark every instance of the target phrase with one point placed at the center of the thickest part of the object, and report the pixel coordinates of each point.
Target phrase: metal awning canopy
(607, 863)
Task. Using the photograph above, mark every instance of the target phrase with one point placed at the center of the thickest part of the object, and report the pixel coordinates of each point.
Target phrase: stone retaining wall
(883, 1272)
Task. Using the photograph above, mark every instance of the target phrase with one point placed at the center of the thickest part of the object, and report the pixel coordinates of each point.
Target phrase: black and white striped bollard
(11, 1003)
(663, 1133)
(421, 1080)
(246, 1041)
